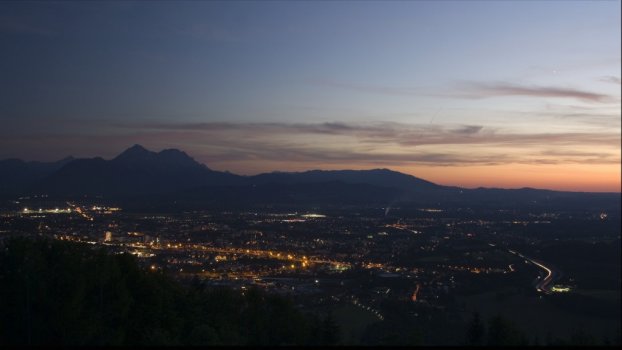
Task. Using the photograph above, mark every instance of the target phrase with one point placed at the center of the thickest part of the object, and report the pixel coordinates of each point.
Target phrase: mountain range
(174, 175)
(138, 171)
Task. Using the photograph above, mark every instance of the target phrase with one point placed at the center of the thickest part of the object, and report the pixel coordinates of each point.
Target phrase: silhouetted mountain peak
(67, 159)
(176, 157)
(382, 170)
(137, 148)
(62, 162)
(173, 153)
(376, 177)
(170, 159)
(135, 153)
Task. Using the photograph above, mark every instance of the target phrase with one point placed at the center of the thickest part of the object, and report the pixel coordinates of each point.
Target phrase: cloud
(243, 145)
(385, 129)
(469, 129)
(611, 79)
(389, 132)
(303, 154)
(606, 116)
(477, 90)
(383, 143)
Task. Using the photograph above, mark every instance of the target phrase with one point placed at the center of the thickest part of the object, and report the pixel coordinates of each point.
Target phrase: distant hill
(17, 176)
(375, 177)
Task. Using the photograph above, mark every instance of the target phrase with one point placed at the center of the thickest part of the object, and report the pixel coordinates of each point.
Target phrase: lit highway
(542, 284)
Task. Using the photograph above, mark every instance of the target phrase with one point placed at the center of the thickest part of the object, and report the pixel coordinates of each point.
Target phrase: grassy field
(537, 317)
(604, 294)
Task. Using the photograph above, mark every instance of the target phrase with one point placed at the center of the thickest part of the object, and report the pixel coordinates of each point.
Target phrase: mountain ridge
(138, 171)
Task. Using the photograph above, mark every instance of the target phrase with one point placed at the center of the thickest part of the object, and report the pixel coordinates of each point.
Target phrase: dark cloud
(388, 132)
(485, 90)
(602, 115)
(569, 153)
(469, 129)
(611, 79)
(385, 143)
(272, 152)
(478, 90)
(334, 128)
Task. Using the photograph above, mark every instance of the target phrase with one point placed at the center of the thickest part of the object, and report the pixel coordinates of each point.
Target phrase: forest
(54, 292)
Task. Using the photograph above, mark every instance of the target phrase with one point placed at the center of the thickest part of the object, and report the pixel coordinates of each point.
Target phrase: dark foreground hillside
(62, 293)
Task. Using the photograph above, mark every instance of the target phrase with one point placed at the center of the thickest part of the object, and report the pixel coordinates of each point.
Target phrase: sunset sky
(467, 93)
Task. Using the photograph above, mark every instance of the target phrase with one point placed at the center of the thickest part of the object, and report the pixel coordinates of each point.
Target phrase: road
(545, 284)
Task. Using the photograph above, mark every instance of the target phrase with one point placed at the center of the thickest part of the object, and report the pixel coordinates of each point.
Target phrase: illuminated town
(372, 258)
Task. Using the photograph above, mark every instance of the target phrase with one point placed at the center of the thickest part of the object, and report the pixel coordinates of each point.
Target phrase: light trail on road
(543, 285)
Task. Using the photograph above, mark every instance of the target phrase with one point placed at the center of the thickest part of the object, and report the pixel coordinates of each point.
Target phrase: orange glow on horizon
(572, 177)
(559, 177)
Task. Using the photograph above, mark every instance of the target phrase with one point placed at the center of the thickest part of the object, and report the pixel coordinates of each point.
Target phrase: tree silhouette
(579, 337)
(502, 332)
(330, 331)
(63, 293)
(476, 330)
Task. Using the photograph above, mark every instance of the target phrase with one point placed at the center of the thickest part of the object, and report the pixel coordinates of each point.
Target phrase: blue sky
(407, 84)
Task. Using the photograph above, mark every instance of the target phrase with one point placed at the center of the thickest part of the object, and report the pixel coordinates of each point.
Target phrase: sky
(504, 94)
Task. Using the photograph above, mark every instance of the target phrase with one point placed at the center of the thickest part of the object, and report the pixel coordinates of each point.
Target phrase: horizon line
(136, 145)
